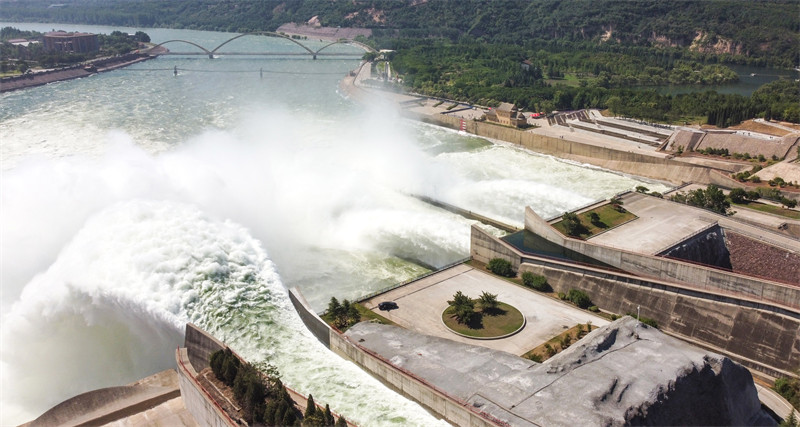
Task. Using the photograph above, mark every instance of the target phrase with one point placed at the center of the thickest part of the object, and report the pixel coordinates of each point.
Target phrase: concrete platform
(624, 373)
(422, 302)
(657, 227)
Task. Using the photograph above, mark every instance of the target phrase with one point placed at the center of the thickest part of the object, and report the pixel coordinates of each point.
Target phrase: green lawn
(506, 320)
(775, 210)
(609, 217)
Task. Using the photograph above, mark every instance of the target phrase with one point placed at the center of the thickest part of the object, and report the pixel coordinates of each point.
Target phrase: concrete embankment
(51, 76)
(629, 162)
(622, 161)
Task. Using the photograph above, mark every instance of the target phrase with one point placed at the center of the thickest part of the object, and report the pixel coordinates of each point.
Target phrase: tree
(463, 307)
(328, 415)
(790, 421)
(342, 315)
(572, 224)
(753, 195)
(341, 422)
(594, 218)
(488, 301)
(737, 195)
(789, 203)
(311, 407)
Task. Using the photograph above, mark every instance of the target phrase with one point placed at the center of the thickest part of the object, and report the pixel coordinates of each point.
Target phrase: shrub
(535, 281)
(614, 317)
(594, 309)
(562, 296)
(501, 267)
(789, 388)
(579, 298)
(536, 358)
(488, 301)
(463, 307)
(646, 320)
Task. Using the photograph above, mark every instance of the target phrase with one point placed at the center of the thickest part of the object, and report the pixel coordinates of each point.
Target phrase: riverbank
(68, 73)
(583, 136)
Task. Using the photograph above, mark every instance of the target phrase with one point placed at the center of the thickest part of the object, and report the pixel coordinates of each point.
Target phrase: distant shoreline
(323, 33)
(41, 78)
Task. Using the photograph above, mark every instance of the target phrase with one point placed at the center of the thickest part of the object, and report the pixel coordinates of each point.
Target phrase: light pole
(637, 312)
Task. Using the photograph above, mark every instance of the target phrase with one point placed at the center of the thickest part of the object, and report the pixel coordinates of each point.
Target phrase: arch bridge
(216, 51)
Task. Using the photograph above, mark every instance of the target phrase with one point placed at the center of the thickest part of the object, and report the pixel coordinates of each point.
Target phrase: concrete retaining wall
(195, 398)
(764, 341)
(671, 270)
(758, 334)
(404, 383)
(200, 345)
(313, 322)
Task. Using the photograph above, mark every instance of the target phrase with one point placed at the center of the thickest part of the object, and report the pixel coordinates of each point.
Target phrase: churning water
(136, 201)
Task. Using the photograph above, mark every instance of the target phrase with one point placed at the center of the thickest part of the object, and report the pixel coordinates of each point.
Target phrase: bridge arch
(346, 41)
(269, 34)
(184, 41)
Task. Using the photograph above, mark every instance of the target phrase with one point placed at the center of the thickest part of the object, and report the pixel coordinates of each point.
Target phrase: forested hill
(763, 32)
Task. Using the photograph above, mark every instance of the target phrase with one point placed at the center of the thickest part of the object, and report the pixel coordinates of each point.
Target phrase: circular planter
(509, 308)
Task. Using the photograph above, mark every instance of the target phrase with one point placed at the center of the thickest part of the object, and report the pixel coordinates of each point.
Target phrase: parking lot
(421, 303)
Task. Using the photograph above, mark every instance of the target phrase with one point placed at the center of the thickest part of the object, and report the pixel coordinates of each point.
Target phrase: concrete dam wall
(623, 161)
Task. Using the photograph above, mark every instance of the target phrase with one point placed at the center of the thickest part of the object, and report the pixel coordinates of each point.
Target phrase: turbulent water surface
(136, 201)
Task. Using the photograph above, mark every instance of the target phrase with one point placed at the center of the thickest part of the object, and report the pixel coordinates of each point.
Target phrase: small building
(506, 114)
(61, 41)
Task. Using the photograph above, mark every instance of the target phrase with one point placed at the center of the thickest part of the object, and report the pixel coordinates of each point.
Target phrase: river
(135, 201)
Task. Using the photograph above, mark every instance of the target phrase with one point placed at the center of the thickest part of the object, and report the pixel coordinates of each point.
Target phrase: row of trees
(711, 198)
(263, 398)
(715, 200)
(315, 417)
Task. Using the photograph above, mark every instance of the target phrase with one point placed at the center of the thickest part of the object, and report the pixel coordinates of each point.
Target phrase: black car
(387, 305)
